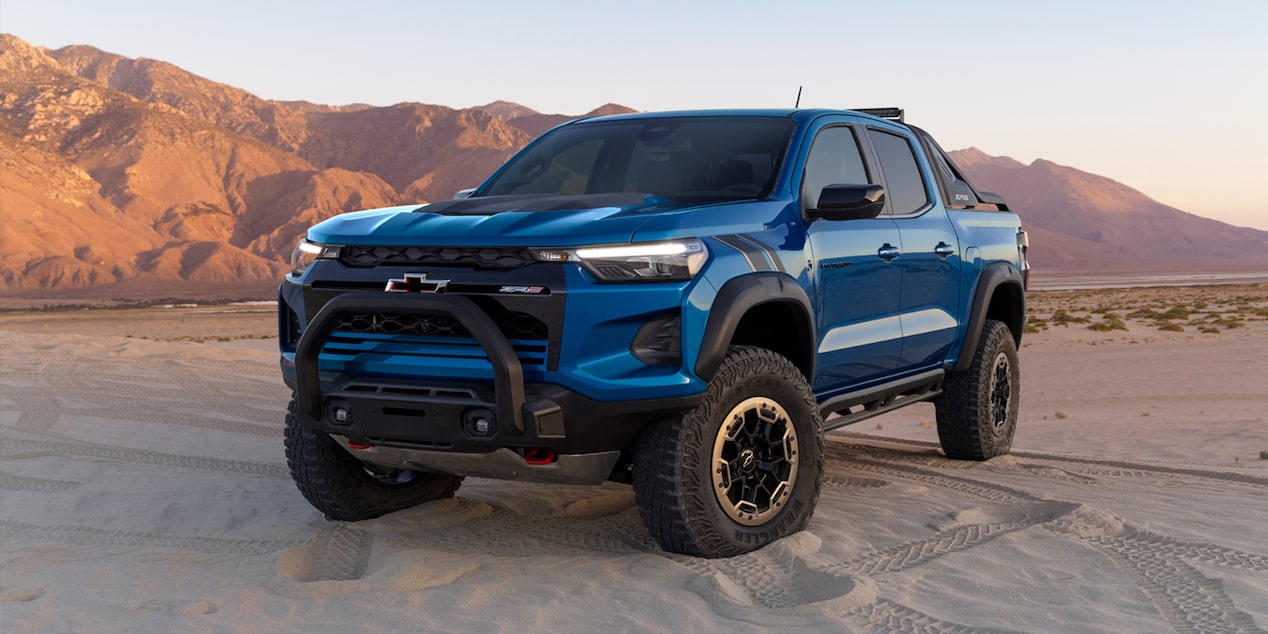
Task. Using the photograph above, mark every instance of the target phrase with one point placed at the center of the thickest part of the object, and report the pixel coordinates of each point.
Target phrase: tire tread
(673, 510)
(963, 402)
(335, 483)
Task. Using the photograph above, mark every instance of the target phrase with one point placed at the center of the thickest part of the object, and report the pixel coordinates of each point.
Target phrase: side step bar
(876, 400)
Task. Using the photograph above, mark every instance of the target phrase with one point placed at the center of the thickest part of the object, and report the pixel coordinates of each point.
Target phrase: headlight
(308, 252)
(651, 262)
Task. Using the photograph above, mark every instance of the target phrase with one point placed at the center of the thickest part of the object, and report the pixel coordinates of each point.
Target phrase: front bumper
(501, 464)
(447, 417)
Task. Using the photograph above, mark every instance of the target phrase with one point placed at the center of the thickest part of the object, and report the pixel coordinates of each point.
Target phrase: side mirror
(464, 193)
(849, 202)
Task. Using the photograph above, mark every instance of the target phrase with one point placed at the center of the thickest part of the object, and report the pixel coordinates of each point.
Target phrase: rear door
(930, 261)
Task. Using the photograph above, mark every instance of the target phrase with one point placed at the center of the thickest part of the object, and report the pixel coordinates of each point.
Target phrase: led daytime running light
(638, 250)
(670, 261)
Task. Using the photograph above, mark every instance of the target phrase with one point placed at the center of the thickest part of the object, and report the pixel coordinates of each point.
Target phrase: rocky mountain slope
(136, 174)
(127, 177)
(1081, 222)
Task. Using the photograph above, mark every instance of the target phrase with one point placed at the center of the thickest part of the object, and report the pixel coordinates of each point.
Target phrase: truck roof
(797, 114)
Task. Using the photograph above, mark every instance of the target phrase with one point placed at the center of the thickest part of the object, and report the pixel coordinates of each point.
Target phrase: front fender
(736, 298)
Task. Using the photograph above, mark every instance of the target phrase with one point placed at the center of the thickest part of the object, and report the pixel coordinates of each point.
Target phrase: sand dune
(143, 488)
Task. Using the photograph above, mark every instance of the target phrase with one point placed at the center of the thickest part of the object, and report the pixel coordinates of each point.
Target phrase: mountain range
(133, 177)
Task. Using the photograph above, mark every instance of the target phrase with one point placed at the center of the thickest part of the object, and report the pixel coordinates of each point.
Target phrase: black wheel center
(1001, 392)
(755, 461)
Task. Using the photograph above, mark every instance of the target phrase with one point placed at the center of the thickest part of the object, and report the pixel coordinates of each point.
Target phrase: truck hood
(517, 220)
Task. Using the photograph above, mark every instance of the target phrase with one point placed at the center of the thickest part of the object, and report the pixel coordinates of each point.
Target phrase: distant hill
(133, 177)
(127, 177)
(535, 123)
(1081, 222)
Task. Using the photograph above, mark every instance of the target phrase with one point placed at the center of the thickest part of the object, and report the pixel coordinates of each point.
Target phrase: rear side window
(904, 184)
(834, 159)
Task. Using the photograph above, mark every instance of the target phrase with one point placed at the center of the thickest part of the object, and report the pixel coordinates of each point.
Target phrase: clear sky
(1168, 97)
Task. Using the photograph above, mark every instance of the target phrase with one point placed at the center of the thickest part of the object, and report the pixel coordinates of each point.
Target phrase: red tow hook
(539, 455)
(352, 444)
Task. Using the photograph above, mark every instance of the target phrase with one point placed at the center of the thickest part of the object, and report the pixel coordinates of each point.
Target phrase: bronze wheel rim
(755, 461)
(1001, 392)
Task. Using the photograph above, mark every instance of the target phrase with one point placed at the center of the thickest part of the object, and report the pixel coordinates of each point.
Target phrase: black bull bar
(507, 372)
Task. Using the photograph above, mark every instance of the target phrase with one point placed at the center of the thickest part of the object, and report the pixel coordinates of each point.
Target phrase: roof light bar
(884, 113)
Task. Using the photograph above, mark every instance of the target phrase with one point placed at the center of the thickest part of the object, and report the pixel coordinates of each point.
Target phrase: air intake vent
(365, 256)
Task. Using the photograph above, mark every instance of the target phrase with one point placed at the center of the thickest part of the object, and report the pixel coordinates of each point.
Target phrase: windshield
(688, 159)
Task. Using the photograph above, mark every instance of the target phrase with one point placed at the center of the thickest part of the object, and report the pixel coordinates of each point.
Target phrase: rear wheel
(346, 489)
(740, 470)
(977, 411)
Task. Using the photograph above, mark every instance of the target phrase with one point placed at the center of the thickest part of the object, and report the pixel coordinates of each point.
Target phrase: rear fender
(1005, 280)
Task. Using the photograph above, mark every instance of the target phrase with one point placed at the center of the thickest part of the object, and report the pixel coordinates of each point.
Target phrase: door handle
(943, 249)
(888, 252)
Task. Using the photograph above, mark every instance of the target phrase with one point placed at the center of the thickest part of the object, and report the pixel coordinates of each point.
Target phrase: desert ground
(143, 489)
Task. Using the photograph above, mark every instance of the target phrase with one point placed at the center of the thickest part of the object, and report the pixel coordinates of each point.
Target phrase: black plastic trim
(508, 374)
(882, 398)
(736, 298)
(931, 147)
(993, 277)
(994, 199)
(436, 416)
(659, 341)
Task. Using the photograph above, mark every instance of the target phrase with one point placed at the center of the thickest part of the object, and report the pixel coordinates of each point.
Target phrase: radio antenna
(798, 104)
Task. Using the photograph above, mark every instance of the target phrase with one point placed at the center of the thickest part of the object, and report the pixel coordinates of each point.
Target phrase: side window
(565, 175)
(904, 184)
(834, 159)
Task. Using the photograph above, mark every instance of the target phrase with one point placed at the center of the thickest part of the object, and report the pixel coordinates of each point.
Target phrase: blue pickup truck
(682, 301)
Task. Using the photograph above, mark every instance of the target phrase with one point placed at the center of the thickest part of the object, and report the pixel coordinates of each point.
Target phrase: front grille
(363, 256)
(512, 324)
(415, 356)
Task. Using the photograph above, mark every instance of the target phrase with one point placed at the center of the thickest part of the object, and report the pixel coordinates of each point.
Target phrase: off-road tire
(343, 488)
(674, 459)
(977, 410)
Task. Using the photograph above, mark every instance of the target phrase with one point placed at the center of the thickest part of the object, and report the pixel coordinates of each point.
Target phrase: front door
(855, 273)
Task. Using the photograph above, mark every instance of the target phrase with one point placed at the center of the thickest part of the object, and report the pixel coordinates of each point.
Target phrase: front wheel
(346, 489)
(977, 411)
(739, 471)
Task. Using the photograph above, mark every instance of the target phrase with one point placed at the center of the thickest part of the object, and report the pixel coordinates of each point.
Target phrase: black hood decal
(489, 205)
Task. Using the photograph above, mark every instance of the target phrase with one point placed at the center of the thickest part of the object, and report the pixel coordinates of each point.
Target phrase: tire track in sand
(145, 456)
(889, 616)
(340, 552)
(177, 403)
(503, 532)
(87, 536)
(35, 414)
(1188, 599)
(11, 482)
(1082, 464)
(786, 576)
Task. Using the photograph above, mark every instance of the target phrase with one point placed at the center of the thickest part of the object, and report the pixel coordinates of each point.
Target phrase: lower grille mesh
(512, 324)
